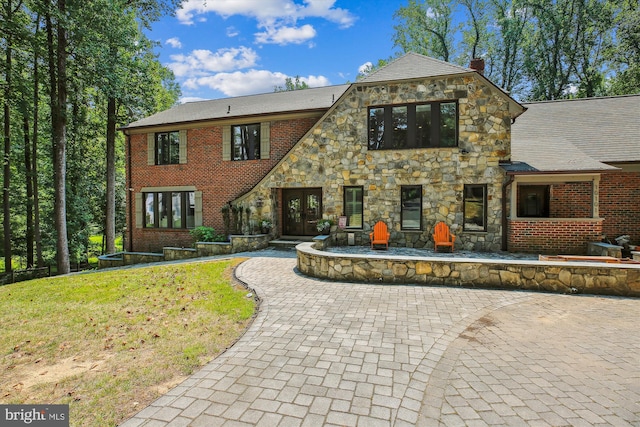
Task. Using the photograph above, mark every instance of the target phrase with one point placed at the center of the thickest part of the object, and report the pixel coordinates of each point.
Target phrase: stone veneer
(237, 243)
(565, 277)
(334, 154)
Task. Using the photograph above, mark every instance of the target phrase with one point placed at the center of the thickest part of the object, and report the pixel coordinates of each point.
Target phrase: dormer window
(427, 125)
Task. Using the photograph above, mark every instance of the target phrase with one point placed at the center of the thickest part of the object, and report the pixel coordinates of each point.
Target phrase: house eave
(240, 119)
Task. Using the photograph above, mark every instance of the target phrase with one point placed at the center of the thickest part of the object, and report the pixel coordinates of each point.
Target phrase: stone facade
(563, 277)
(335, 154)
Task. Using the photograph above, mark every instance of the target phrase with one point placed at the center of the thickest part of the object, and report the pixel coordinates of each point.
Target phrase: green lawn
(109, 343)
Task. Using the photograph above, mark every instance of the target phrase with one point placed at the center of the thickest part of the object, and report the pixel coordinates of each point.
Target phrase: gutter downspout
(129, 195)
(504, 212)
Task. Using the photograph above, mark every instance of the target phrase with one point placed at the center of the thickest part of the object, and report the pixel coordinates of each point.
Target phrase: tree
(9, 11)
(567, 47)
(290, 84)
(535, 49)
(625, 56)
(56, 22)
(506, 46)
(425, 27)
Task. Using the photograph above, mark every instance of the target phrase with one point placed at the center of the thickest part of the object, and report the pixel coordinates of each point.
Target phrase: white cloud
(232, 31)
(286, 35)
(278, 17)
(201, 62)
(316, 81)
(365, 68)
(186, 99)
(174, 42)
(248, 82)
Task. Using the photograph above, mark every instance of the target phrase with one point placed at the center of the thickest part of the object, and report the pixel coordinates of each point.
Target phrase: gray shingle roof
(580, 134)
(251, 105)
(413, 65)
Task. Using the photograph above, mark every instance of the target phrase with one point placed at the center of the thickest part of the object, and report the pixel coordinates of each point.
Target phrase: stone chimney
(477, 64)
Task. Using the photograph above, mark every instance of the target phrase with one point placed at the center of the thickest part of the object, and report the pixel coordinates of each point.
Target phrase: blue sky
(223, 48)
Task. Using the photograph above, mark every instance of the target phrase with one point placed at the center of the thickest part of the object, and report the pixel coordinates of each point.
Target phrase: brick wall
(553, 236)
(571, 200)
(620, 205)
(220, 181)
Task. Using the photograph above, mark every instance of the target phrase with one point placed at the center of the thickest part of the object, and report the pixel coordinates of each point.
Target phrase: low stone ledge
(548, 276)
(111, 260)
(251, 242)
(604, 249)
(322, 242)
(131, 258)
(213, 248)
(172, 254)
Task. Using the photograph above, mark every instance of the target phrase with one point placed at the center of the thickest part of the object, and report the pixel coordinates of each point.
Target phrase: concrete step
(284, 244)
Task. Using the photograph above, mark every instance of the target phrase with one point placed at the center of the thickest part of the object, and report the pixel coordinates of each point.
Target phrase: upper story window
(167, 148)
(433, 124)
(246, 141)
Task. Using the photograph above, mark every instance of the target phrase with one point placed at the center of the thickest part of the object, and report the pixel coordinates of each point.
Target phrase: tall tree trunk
(58, 77)
(6, 161)
(34, 151)
(110, 217)
(29, 185)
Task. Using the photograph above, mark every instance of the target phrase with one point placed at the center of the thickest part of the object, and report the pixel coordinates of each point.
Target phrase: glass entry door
(302, 209)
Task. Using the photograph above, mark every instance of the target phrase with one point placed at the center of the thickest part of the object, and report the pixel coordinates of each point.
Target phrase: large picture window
(533, 201)
(353, 207)
(475, 207)
(245, 140)
(433, 124)
(411, 207)
(167, 148)
(169, 209)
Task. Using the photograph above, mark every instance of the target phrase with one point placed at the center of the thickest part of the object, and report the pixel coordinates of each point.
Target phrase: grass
(109, 343)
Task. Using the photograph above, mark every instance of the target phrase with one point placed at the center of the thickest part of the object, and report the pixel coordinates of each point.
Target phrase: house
(574, 175)
(416, 142)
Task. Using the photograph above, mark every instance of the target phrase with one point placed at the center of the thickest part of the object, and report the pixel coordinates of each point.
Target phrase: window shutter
(151, 149)
(138, 211)
(265, 139)
(226, 142)
(183, 146)
(198, 212)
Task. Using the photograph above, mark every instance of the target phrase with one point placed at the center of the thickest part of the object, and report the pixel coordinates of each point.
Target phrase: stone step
(284, 244)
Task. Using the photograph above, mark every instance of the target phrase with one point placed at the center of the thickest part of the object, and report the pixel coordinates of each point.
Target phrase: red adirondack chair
(380, 235)
(442, 236)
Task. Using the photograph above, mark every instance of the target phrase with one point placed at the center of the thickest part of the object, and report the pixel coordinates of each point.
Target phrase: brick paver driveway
(325, 353)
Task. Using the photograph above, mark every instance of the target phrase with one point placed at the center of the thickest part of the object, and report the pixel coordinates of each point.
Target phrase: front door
(302, 209)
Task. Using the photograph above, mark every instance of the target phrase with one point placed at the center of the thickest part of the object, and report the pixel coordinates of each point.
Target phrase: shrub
(206, 234)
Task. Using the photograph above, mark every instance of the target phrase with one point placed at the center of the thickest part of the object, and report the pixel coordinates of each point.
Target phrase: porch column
(595, 196)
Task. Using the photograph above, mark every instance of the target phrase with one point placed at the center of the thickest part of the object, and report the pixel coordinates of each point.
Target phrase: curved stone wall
(564, 277)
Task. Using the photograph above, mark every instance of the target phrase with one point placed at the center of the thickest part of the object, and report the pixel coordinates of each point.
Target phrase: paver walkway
(344, 354)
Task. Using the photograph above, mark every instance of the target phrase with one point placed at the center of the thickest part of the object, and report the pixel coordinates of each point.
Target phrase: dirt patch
(35, 373)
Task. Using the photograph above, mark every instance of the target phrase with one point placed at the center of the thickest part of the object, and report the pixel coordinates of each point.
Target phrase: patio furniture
(380, 235)
(442, 236)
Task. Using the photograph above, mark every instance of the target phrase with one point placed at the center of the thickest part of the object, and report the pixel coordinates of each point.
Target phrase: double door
(302, 209)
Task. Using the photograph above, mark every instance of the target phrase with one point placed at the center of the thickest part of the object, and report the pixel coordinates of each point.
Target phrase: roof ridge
(266, 93)
(419, 55)
(549, 101)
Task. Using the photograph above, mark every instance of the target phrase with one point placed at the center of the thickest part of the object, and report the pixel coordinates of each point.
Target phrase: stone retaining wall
(564, 277)
(238, 243)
